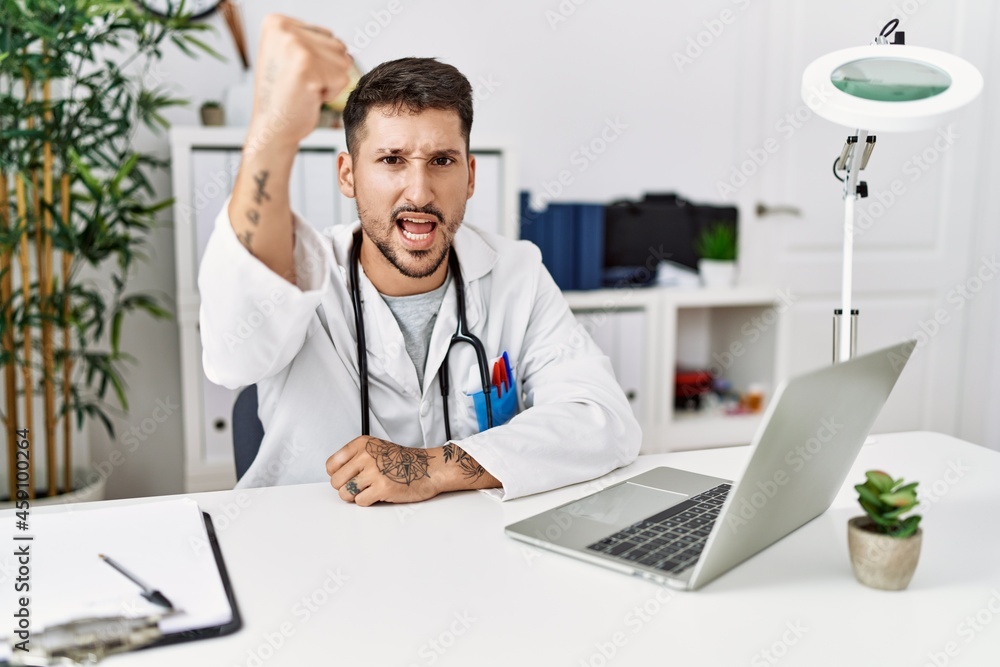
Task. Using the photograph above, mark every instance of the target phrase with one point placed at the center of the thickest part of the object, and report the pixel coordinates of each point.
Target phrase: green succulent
(886, 500)
(717, 242)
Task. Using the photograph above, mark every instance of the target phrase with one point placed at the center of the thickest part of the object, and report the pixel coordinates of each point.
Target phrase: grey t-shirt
(416, 315)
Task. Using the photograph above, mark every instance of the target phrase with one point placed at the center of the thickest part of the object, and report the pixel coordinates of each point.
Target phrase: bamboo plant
(76, 82)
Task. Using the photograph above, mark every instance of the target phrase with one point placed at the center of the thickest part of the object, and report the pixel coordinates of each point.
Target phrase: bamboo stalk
(24, 257)
(67, 214)
(10, 372)
(44, 250)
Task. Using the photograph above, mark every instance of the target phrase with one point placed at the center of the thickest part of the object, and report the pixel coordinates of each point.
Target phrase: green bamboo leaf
(125, 170)
(204, 47)
(116, 331)
(119, 388)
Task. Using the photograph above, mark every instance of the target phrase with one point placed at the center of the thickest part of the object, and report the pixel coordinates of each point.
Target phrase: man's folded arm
(577, 423)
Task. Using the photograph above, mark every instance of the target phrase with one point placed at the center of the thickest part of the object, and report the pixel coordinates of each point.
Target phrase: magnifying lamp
(883, 87)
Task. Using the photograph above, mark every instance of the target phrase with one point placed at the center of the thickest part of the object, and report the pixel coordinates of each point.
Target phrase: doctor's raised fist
(299, 66)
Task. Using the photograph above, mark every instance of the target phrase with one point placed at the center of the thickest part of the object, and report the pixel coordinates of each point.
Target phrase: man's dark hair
(408, 85)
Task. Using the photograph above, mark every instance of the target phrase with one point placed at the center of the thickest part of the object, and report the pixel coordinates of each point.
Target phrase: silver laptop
(684, 529)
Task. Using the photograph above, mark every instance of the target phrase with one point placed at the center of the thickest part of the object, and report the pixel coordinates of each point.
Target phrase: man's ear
(345, 174)
(472, 175)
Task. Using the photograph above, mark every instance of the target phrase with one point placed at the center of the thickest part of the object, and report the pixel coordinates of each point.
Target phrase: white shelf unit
(649, 331)
(204, 167)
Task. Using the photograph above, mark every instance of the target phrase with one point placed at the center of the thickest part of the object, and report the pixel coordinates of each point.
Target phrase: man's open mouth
(417, 228)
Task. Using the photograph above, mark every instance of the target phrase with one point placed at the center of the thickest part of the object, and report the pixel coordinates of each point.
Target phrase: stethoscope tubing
(461, 335)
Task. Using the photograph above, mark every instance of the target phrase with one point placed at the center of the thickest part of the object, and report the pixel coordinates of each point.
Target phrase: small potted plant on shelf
(716, 248)
(884, 545)
(212, 114)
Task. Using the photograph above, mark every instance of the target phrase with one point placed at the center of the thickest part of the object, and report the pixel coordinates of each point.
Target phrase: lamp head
(889, 87)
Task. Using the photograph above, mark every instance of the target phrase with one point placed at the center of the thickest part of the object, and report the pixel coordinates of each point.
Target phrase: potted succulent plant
(885, 545)
(716, 248)
(212, 114)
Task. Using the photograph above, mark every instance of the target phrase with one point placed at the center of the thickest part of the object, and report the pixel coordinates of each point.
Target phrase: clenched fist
(299, 66)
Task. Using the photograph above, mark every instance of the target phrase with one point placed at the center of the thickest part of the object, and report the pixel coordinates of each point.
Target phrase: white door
(915, 270)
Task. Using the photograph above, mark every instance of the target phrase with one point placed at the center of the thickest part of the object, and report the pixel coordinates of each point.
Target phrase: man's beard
(384, 242)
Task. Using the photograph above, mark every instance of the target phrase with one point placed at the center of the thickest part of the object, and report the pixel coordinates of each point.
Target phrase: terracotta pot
(213, 116)
(881, 561)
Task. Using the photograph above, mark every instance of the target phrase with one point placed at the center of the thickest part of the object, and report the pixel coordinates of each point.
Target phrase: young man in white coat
(409, 168)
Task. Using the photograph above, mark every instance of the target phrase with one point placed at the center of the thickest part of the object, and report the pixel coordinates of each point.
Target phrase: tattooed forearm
(400, 464)
(253, 216)
(261, 194)
(470, 467)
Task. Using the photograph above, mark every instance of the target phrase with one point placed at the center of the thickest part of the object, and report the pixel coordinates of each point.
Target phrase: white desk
(320, 581)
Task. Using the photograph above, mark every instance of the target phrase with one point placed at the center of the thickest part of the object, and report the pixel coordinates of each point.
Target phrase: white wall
(551, 76)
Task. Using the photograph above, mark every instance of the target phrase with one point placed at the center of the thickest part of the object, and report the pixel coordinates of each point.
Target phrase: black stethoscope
(461, 335)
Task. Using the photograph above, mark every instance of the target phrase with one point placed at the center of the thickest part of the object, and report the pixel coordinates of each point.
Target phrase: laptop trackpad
(624, 504)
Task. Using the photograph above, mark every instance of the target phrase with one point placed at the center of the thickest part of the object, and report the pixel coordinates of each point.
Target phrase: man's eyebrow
(450, 152)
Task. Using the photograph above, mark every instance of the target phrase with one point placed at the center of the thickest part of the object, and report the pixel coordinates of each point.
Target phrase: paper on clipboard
(163, 543)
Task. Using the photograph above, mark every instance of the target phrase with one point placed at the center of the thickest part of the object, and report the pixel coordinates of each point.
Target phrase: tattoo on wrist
(261, 194)
(253, 216)
(246, 239)
(470, 467)
(400, 464)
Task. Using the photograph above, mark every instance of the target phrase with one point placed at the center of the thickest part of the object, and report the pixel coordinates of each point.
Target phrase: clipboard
(172, 543)
(217, 631)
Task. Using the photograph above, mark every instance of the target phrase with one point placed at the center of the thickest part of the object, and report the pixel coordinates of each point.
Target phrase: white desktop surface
(320, 581)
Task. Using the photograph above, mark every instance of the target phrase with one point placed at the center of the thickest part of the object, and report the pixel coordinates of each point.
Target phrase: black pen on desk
(154, 596)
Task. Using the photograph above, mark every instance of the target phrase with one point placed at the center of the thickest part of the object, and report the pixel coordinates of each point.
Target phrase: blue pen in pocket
(503, 397)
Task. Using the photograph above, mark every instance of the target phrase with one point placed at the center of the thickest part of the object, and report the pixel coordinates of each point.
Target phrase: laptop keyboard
(671, 540)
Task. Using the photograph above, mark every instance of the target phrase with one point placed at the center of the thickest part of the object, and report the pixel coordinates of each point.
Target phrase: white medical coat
(574, 422)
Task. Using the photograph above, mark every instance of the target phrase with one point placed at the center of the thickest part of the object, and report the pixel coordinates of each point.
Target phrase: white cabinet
(649, 333)
(205, 162)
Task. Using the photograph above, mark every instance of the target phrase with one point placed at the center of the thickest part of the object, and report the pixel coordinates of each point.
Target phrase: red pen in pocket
(496, 379)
